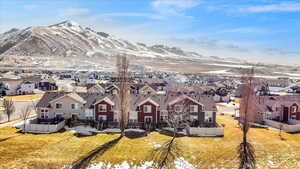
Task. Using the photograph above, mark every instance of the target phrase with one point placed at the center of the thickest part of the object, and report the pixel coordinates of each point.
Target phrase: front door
(102, 117)
(74, 117)
(285, 114)
(148, 119)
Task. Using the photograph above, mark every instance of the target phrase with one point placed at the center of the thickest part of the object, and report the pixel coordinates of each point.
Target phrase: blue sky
(256, 30)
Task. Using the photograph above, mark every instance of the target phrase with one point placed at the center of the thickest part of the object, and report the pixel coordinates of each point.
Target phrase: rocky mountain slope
(69, 39)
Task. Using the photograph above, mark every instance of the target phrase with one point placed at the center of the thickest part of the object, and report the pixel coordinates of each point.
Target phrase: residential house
(47, 84)
(57, 105)
(95, 88)
(26, 87)
(146, 108)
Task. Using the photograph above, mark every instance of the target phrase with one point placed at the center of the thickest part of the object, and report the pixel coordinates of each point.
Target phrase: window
(58, 105)
(194, 108)
(42, 110)
(74, 106)
(163, 118)
(88, 118)
(294, 109)
(102, 107)
(208, 117)
(147, 109)
(46, 115)
(89, 113)
(132, 120)
(42, 115)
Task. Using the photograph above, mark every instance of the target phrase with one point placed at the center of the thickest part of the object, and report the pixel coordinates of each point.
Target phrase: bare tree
(247, 115)
(25, 115)
(9, 107)
(178, 117)
(124, 92)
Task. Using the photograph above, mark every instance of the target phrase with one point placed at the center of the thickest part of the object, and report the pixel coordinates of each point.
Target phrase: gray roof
(136, 99)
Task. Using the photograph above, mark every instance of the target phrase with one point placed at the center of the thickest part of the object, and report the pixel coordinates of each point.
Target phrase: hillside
(69, 39)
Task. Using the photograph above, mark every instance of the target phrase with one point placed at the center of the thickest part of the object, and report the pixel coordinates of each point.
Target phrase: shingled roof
(136, 99)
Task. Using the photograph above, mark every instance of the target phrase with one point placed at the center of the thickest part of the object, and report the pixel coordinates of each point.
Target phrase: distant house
(95, 88)
(3, 89)
(11, 85)
(46, 85)
(112, 89)
(147, 89)
(26, 88)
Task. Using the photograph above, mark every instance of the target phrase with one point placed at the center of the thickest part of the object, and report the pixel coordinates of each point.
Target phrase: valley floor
(57, 150)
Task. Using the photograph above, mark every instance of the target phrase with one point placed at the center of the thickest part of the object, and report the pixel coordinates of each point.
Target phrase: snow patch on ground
(179, 163)
(218, 72)
(229, 65)
(123, 165)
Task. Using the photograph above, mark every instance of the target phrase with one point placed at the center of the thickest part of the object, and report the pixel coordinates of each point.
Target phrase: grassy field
(25, 97)
(56, 150)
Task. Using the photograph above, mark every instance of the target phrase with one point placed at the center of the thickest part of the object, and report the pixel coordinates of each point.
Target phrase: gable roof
(72, 95)
(148, 100)
(106, 99)
(181, 98)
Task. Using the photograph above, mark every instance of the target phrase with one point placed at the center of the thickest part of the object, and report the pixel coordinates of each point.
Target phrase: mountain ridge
(70, 39)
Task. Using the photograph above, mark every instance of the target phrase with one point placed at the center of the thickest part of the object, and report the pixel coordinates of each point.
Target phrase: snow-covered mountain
(69, 39)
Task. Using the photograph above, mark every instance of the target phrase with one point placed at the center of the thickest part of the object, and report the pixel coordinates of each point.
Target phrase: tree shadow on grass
(85, 161)
(164, 156)
(135, 135)
(7, 138)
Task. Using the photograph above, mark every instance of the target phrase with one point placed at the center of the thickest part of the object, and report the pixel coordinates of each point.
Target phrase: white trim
(67, 95)
(107, 100)
(149, 100)
(186, 97)
(147, 86)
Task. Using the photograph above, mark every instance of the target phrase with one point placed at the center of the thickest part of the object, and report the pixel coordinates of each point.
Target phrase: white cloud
(173, 7)
(264, 8)
(133, 14)
(74, 12)
(281, 7)
(30, 7)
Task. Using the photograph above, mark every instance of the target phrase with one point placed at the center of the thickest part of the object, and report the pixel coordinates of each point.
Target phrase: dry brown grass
(45, 150)
(25, 97)
(56, 150)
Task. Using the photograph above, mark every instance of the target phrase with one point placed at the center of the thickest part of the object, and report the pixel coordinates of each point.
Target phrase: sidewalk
(11, 123)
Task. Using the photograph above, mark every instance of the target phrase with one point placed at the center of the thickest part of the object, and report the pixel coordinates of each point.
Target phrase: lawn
(59, 149)
(25, 97)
